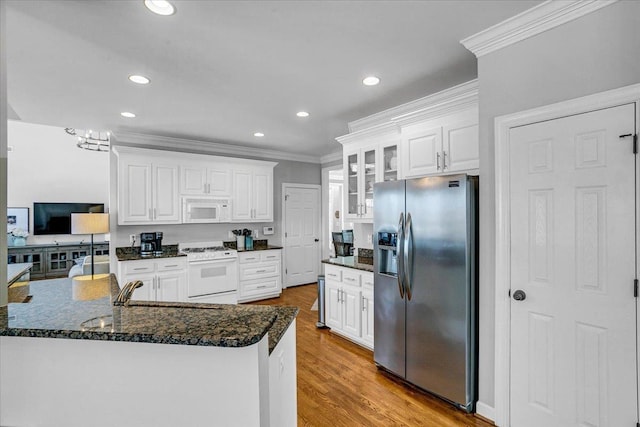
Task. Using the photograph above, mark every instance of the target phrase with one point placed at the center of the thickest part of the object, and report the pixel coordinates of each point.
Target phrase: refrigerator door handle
(399, 254)
(408, 256)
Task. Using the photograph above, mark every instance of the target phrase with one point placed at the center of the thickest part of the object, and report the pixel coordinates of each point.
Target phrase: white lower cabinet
(260, 274)
(164, 279)
(349, 303)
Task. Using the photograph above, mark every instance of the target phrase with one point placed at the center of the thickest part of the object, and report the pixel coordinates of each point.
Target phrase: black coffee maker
(157, 243)
(147, 244)
(343, 242)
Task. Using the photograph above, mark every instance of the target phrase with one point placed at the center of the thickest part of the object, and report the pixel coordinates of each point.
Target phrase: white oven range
(213, 272)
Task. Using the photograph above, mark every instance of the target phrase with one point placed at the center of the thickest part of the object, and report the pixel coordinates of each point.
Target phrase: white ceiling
(222, 70)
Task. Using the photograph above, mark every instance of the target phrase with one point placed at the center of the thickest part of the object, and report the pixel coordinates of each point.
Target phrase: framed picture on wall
(17, 218)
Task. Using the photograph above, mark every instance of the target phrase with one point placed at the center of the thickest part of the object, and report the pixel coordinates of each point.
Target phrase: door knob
(519, 295)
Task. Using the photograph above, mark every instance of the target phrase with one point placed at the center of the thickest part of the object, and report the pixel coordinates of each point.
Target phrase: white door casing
(301, 223)
(572, 253)
(504, 239)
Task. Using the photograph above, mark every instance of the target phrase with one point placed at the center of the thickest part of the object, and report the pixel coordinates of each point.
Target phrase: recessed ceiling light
(302, 114)
(370, 81)
(127, 114)
(258, 134)
(141, 80)
(161, 7)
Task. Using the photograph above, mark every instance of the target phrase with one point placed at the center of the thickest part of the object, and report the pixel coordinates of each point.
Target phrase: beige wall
(594, 53)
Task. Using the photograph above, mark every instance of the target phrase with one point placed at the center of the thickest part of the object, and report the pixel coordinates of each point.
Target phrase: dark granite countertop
(128, 253)
(258, 245)
(359, 263)
(60, 309)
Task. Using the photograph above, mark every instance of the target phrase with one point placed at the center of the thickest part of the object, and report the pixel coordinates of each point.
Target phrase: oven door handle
(213, 261)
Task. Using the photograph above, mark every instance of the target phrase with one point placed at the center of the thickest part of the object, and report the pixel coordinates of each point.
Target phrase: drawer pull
(351, 279)
(261, 271)
(332, 275)
(172, 265)
(271, 256)
(262, 286)
(251, 259)
(140, 268)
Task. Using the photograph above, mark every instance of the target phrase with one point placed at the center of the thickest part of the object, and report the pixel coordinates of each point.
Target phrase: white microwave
(205, 210)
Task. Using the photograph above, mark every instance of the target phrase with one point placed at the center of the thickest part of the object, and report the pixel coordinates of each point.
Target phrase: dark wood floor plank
(339, 384)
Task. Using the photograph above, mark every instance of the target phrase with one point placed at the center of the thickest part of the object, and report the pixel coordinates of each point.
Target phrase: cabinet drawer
(367, 279)
(270, 255)
(351, 277)
(170, 264)
(259, 270)
(248, 257)
(333, 273)
(257, 287)
(137, 267)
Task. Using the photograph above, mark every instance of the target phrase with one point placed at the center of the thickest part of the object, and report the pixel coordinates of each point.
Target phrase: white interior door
(573, 253)
(302, 234)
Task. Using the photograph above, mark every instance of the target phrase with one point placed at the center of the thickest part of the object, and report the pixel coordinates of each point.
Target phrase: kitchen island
(69, 357)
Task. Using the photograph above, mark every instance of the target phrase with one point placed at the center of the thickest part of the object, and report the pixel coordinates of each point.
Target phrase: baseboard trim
(485, 411)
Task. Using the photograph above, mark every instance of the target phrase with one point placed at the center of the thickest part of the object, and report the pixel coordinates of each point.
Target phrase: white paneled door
(302, 234)
(573, 261)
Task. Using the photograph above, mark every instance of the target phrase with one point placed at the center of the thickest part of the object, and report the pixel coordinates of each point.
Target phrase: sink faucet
(125, 294)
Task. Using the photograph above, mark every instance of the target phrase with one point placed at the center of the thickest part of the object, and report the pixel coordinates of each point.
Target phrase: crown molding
(446, 101)
(529, 23)
(205, 147)
(331, 157)
(379, 130)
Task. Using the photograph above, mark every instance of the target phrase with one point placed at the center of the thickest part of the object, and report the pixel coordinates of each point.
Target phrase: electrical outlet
(132, 239)
(369, 239)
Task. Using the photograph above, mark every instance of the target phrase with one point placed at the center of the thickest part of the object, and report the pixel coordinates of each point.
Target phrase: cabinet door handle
(444, 160)
(363, 309)
(438, 160)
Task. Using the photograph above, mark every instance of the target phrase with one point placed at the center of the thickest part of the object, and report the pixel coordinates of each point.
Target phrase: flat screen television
(55, 218)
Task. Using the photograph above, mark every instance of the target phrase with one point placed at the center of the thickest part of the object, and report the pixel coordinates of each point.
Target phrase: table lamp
(90, 223)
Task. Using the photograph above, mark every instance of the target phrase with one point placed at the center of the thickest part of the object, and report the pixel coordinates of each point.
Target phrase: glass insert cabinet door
(352, 185)
(390, 163)
(369, 180)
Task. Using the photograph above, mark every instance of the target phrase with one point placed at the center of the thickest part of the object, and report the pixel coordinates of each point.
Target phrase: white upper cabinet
(151, 183)
(422, 146)
(199, 179)
(252, 199)
(435, 135)
(368, 158)
(461, 145)
(147, 191)
(452, 147)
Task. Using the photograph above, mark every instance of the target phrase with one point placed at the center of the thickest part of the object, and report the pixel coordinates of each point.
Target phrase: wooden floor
(339, 385)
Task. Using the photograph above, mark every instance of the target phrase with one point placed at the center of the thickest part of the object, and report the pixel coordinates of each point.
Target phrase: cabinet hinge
(286, 271)
(635, 291)
(635, 140)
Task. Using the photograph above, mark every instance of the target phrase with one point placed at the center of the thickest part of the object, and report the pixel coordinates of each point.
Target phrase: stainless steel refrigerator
(425, 289)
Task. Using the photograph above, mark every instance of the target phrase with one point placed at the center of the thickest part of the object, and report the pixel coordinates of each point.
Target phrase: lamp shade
(89, 223)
